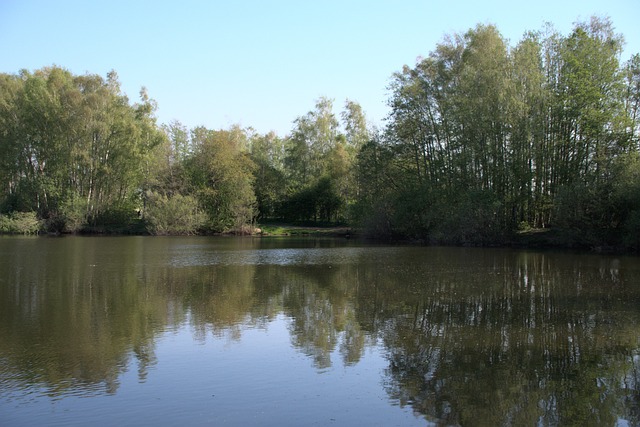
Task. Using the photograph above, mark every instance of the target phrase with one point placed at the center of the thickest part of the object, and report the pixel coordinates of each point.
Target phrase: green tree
(221, 176)
(526, 160)
(10, 89)
(313, 137)
(311, 153)
(590, 89)
(267, 152)
(484, 138)
(173, 214)
(73, 145)
(356, 130)
(632, 100)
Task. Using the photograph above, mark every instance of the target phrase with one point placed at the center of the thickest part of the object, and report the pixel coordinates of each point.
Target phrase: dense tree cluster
(71, 147)
(483, 139)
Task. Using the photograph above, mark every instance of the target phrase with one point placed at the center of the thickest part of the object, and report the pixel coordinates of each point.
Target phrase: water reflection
(471, 336)
(535, 339)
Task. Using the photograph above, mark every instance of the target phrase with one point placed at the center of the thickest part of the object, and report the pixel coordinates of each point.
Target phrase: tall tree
(74, 144)
(221, 175)
(632, 100)
(356, 130)
(313, 137)
(487, 138)
(267, 152)
(590, 92)
(526, 146)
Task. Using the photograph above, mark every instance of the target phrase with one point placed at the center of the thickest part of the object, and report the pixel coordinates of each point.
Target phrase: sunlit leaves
(72, 140)
(221, 176)
(521, 125)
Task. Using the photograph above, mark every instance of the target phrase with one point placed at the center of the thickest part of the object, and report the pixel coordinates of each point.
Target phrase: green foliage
(121, 218)
(631, 230)
(20, 223)
(270, 187)
(221, 176)
(320, 163)
(173, 215)
(474, 218)
(584, 213)
(439, 217)
(71, 216)
(626, 196)
(318, 202)
(604, 213)
(483, 139)
(267, 152)
(66, 138)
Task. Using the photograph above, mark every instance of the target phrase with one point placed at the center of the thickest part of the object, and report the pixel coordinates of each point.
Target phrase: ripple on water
(290, 256)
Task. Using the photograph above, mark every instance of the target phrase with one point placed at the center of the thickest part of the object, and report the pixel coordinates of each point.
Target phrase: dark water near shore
(294, 331)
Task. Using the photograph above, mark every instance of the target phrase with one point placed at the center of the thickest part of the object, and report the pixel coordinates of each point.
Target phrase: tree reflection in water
(472, 336)
(534, 339)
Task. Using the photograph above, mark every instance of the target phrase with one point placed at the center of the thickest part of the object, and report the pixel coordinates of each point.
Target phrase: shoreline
(538, 239)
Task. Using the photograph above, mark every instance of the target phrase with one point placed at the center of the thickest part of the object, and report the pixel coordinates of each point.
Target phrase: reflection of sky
(194, 256)
(261, 378)
(258, 379)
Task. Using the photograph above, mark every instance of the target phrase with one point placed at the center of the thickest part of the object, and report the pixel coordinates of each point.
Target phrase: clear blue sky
(263, 63)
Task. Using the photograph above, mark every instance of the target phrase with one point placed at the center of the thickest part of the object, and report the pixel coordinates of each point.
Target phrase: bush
(377, 219)
(627, 197)
(20, 223)
(631, 237)
(122, 218)
(73, 215)
(69, 218)
(173, 215)
(470, 218)
(585, 214)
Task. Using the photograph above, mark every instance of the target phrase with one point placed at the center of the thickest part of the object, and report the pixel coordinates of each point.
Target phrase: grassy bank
(296, 230)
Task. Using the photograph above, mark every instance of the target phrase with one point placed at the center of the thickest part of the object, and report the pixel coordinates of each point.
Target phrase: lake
(312, 332)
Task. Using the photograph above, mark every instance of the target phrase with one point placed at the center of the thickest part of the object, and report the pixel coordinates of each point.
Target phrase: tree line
(483, 139)
(78, 156)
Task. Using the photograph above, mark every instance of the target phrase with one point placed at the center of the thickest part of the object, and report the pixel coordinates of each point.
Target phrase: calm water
(242, 331)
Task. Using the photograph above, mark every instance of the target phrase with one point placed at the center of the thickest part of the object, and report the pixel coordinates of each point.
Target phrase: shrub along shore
(28, 224)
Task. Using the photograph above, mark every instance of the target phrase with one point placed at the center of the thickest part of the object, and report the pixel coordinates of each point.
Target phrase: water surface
(295, 331)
